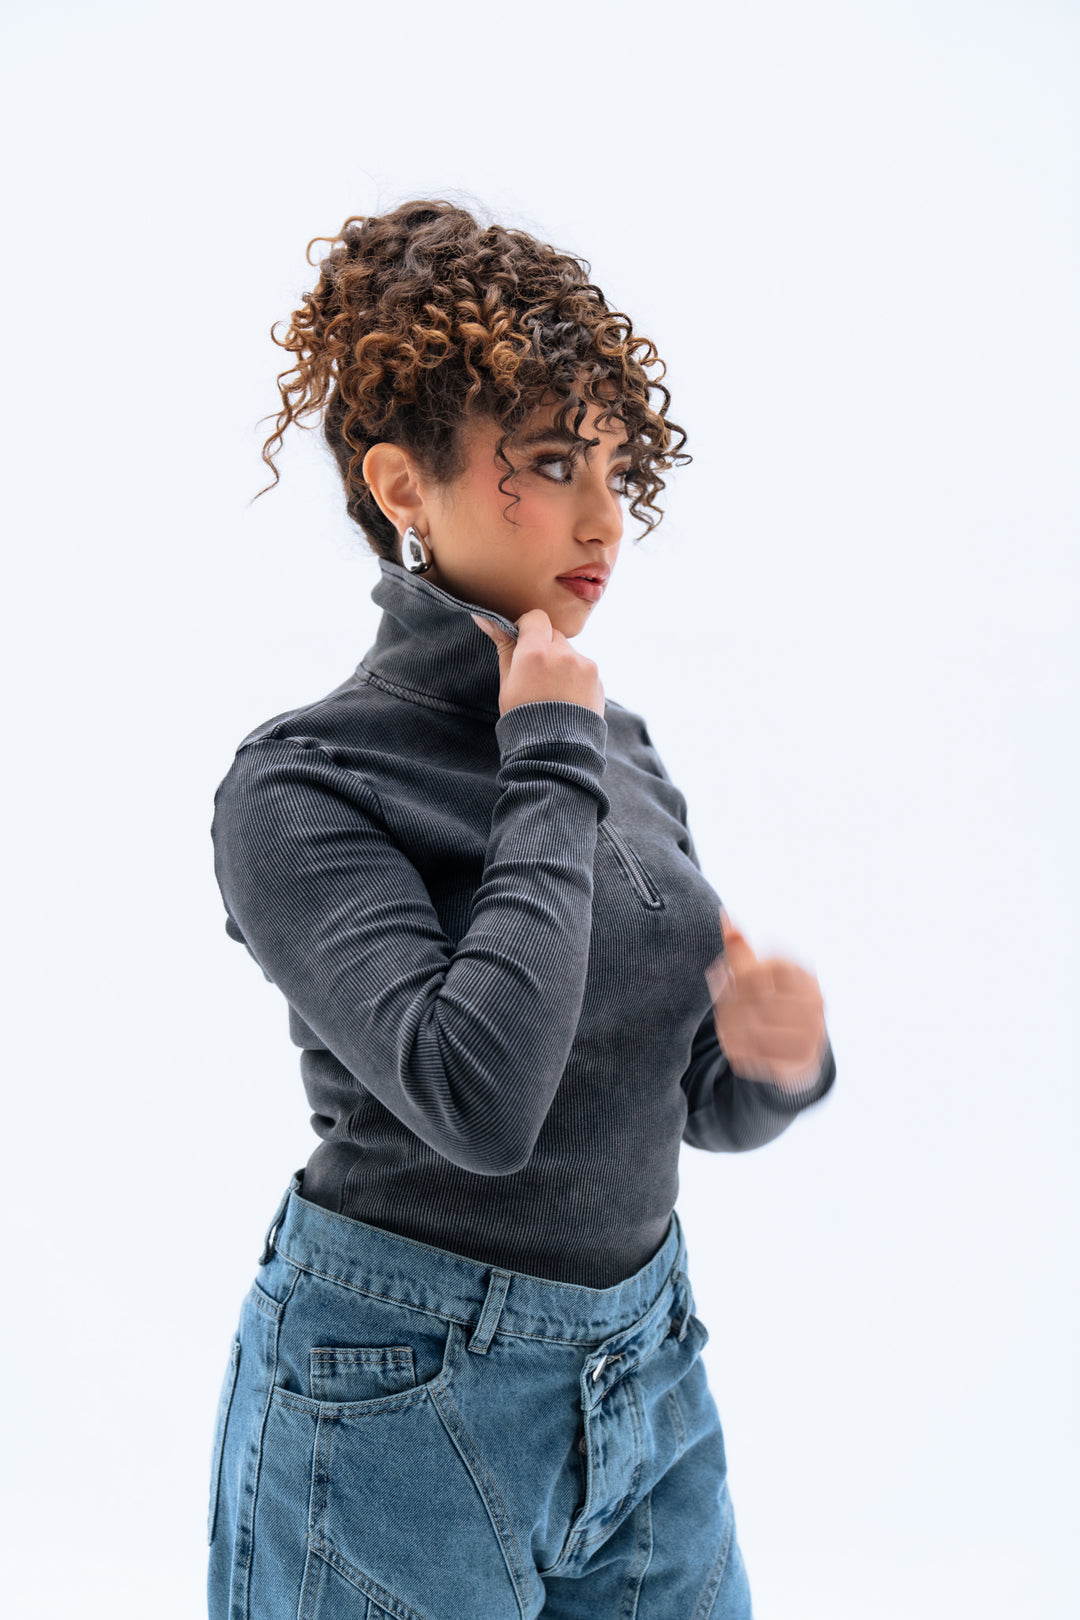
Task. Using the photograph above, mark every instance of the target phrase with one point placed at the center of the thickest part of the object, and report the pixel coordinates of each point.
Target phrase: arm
(465, 1046)
(726, 1113)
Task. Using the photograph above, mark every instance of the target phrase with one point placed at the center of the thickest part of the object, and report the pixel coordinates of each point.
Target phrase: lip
(589, 590)
(599, 571)
(587, 581)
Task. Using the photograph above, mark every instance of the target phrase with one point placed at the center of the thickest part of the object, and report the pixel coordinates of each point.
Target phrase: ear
(393, 479)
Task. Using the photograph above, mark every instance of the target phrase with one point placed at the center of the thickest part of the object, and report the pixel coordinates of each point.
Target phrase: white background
(851, 229)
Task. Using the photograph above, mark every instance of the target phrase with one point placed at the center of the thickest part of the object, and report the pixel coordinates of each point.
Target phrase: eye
(554, 461)
(620, 475)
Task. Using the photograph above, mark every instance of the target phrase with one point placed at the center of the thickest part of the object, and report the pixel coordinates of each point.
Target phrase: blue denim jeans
(407, 1434)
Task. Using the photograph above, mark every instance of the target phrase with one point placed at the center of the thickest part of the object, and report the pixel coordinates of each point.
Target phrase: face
(570, 514)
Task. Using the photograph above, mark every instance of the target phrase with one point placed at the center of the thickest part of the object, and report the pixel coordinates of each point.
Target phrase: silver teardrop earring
(413, 555)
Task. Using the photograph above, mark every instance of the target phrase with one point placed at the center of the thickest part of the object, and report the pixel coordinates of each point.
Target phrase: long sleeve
(725, 1112)
(465, 1045)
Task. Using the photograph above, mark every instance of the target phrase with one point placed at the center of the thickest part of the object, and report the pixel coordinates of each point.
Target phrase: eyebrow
(554, 436)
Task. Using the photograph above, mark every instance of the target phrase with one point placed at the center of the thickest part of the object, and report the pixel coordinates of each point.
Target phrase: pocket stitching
(632, 866)
(397, 1358)
(334, 1411)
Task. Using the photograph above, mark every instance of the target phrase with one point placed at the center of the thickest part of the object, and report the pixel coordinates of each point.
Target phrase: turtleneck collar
(427, 645)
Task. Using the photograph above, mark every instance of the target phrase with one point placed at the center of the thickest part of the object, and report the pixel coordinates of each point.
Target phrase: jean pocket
(360, 1372)
(343, 1353)
(221, 1423)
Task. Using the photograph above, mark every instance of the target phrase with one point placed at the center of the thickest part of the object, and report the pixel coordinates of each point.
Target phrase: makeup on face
(564, 520)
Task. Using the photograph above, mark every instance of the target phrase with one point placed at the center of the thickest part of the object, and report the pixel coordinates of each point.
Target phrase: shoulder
(325, 718)
(325, 746)
(628, 735)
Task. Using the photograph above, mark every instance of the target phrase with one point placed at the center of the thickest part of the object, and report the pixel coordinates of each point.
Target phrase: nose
(600, 516)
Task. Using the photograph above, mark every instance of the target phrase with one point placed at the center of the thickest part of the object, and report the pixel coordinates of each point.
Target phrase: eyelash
(547, 461)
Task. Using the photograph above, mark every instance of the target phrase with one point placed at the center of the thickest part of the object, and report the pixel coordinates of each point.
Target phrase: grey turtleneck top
(491, 932)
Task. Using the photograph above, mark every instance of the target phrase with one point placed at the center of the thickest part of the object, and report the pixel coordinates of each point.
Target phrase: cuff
(555, 738)
(793, 1099)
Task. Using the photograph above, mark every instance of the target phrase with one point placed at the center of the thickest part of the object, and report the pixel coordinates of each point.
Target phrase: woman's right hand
(541, 666)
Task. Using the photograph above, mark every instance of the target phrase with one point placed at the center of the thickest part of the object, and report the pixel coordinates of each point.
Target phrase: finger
(780, 1057)
(504, 644)
(775, 979)
(753, 1020)
(497, 634)
(737, 968)
(534, 626)
(786, 974)
(768, 1032)
(758, 1017)
(737, 948)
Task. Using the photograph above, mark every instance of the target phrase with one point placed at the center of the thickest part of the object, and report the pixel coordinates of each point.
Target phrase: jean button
(583, 1444)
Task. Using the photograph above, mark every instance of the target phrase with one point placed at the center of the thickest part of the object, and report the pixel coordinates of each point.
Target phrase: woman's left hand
(769, 1016)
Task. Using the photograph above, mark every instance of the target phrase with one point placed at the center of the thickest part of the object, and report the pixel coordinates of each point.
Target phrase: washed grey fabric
(491, 932)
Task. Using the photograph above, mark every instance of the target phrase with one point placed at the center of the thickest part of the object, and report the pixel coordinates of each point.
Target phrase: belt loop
(484, 1331)
(686, 1303)
(279, 1214)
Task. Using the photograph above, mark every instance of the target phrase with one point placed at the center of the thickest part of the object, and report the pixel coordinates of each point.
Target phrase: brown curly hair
(422, 317)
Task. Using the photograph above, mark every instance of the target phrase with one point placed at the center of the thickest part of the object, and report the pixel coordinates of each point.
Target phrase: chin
(572, 620)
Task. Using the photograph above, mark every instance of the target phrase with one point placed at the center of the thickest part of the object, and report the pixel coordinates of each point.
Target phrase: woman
(467, 1379)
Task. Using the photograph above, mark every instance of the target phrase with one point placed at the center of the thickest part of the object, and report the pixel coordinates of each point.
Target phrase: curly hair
(422, 318)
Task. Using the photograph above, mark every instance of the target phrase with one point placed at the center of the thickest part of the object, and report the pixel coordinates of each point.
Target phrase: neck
(428, 646)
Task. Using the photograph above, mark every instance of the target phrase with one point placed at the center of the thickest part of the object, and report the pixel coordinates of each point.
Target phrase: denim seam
(677, 1421)
(320, 1478)
(317, 1541)
(553, 1284)
(387, 1602)
(488, 1493)
(308, 1404)
(401, 1399)
(271, 1308)
(247, 1555)
(364, 1583)
(712, 1586)
(615, 1522)
(311, 1578)
(444, 1316)
(636, 1574)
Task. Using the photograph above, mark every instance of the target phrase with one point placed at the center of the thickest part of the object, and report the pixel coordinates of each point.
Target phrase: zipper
(631, 864)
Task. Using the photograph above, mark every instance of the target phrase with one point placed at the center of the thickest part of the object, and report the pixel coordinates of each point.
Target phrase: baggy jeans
(404, 1433)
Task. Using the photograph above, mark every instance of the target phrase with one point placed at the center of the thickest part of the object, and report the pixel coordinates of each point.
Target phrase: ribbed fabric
(491, 932)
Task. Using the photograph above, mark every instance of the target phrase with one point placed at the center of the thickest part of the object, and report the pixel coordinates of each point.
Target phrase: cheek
(486, 500)
(534, 511)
